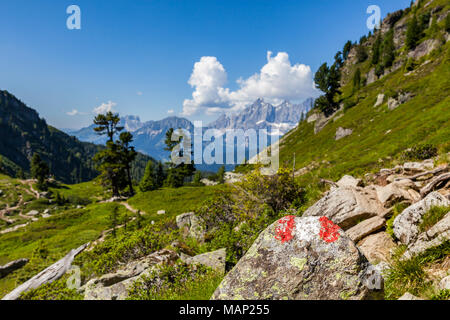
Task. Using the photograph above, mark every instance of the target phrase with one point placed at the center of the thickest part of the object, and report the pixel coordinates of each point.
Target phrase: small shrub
(57, 290)
(175, 282)
(421, 152)
(432, 216)
(441, 295)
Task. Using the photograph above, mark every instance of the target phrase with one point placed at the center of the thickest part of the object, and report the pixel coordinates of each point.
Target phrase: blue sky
(138, 56)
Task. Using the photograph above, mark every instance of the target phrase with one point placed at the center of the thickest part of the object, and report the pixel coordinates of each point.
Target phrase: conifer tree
(412, 33)
(39, 171)
(148, 181)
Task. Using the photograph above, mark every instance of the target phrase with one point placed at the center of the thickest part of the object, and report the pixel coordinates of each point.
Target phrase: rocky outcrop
(409, 296)
(394, 103)
(349, 181)
(377, 247)
(396, 191)
(231, 177)
(215, 259)
(52, 273)
(115, 286)
(424, 48)
(365, 228)
(346, 206)
(307, 258)
(406, 225)
(342, 133)
(380, 100)
(435, 236)
(11, 267)
(191, 226)
(444, 284)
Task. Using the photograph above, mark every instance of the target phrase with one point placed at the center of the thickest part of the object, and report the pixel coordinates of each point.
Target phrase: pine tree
(361, 54)
(447, 23)
(376, 51)
(159, 175)
(39, 171)
(357, 80)
(197, 178)
(108, 124)
(388, 49)
(148, 182)
(221, 174)
(346, 50)
(412, 33)
(128, 155)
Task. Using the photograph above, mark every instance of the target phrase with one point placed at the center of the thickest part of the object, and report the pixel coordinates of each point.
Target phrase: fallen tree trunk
(430, 186)
(433, 172)
(52, 273)
(11, 267)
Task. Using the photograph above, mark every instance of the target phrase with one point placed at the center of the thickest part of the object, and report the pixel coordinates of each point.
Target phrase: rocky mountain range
(149, 136)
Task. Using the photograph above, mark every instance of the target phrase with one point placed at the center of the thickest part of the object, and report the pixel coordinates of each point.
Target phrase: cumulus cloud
(277, 80)
(139, 93)
(171, 111)
(74, 112)
(105, 107)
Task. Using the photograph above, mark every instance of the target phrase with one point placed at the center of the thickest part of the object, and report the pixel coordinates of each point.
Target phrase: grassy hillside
(69, 159)
(83, 218)
(379, 135)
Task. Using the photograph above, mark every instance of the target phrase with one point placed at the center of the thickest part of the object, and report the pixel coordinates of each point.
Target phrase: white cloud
(105, 107)
(277, 80)
(139, 93)
(171, 111)
(74, 112)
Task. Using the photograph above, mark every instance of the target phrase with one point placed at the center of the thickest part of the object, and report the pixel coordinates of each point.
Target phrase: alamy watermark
(374, 21)
(73, 22)
(230, 146)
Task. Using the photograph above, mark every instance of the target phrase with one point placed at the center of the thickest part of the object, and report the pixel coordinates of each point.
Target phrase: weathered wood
(52, 273)
(332, 183)
(430, 186)
(11, 267)
(433, 172)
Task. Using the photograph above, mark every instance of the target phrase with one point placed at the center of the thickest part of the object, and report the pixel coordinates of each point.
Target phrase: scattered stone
(380, 100)
(415, 167)
(365, 228)
(312, 117)
(32, 213)
(349, 181)
(12, 266)
(406, 224)
(115, 286)
(434, 237)
(208, 182)
(409, 296)
(231, 177)
(52, 273)
(295, 258)
(46, 211)
(191, 226)
(424, 48)
(444, 284)
(342, 133)
(393, 193)
(161, 212)
(346, 206)
(215, 259)
(377, 247)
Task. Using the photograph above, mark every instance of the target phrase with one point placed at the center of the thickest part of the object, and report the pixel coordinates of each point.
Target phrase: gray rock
(365, 228)
(371, 76)
(215, 259)
(12, 266)
(409, 296)
(406, 224)
(424, 48)
(161, 212)
(342, 133)
(380, 100)
(349, 181)
(231, 177)
(32, 213)
(377, 247)
(346, 206)
(435, 236)
(208, 182)
(416, 167)
(115, 286)
(191, 226)
(444, 284)
(301, 267)
(393, 193)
